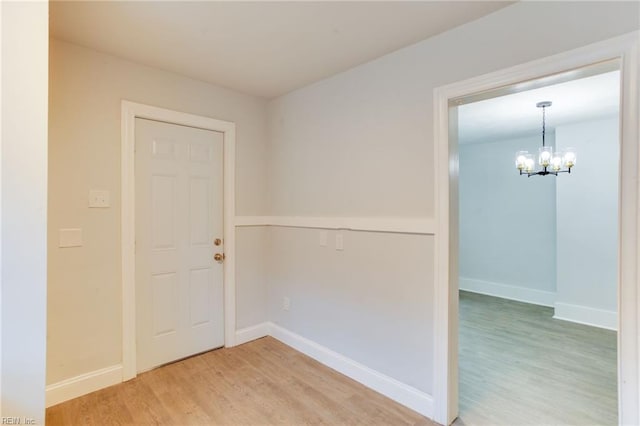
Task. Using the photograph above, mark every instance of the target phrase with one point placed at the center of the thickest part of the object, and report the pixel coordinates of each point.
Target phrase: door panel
(165, 290)
(179, 287)
(199, 211)
(163, 211)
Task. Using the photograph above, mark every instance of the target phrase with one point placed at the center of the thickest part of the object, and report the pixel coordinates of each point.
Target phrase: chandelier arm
(544, 172)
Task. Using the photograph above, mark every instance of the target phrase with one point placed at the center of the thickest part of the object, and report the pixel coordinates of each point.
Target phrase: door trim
(131, 111)
(626, 49)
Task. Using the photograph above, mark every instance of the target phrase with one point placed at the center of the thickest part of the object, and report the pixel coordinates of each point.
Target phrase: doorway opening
(538, 255)
(131, 114)
(624, 49)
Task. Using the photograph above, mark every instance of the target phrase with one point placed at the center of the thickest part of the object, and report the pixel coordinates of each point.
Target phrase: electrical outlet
(286, 303)
(98, 199)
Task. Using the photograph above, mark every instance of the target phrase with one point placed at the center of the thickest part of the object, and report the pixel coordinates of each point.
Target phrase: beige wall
(84, 319)
(23, 157)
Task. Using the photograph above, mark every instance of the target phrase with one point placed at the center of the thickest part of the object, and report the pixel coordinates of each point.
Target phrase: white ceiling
(517, 115)
(260, 48)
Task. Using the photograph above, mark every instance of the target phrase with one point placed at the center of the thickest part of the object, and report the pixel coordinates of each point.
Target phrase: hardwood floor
(263, 382)
(519, 366)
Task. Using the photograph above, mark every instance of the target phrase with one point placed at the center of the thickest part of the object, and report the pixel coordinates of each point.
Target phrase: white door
(179, 285)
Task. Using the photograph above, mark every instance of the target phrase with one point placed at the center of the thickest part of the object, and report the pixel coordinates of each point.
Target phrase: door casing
(625, 49)
(131, 111)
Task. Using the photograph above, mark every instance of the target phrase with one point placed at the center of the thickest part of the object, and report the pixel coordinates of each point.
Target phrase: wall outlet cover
(322, 236)
(70, 238)
(99, 198)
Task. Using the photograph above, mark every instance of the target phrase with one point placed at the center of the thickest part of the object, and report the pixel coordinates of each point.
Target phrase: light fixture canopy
(550, 162)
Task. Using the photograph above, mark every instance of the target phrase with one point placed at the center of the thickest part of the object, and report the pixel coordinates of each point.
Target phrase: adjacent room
(538, 258)
(239, 212)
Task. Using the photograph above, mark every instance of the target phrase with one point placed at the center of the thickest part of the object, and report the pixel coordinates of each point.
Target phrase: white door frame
(131, 111)
(626, 49)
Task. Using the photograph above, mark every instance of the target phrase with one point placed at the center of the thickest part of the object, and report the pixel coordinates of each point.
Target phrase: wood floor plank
(263, 382)
(519, 366)
(150, 408)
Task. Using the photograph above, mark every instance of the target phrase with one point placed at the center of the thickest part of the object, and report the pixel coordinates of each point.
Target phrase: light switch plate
(323, 238)
(99, 198)
(70, 237)
(339, 242)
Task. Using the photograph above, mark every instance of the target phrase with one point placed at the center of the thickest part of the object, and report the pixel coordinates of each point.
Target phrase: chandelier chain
(543, 124)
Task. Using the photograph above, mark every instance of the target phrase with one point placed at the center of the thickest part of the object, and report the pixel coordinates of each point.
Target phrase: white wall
(587, 222)
(24, 28)
(370, 302)
(551, 241)
(84, 321)
(251, 282)
(507, 223)
(360, 144)
(341, 145)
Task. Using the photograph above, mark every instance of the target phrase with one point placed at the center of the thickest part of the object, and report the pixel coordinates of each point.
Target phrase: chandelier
(550, 163)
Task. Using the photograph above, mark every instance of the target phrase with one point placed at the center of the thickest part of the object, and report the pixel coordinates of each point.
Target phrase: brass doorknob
(218, 257)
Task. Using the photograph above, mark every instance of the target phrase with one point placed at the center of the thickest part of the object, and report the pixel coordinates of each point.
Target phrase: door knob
(218, 257)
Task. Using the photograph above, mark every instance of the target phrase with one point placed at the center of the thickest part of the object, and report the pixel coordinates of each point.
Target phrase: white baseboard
(254, 332)
(404, 394)
(520, 294)
(585, 315)
(83, 384)
(75, 387)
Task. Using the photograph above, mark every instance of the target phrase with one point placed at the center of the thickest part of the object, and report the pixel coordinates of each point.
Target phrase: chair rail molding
(400, 225)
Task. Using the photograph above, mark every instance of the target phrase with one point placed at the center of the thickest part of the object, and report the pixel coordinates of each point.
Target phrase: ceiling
(516, 114)
(260, 48)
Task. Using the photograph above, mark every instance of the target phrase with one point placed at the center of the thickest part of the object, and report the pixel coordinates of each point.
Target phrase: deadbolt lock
(218, 257)
(217, 241)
